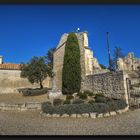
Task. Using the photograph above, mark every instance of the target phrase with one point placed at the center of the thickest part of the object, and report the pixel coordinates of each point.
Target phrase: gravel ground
(31, 123)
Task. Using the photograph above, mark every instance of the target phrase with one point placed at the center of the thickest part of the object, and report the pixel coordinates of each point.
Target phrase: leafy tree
(71, 73)
(36, 70)
(49, 58)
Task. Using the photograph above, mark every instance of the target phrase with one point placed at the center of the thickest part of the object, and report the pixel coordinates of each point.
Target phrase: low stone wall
(112, 84)
(21, 107)
(86, 115)
(134, 101)
(10, 82)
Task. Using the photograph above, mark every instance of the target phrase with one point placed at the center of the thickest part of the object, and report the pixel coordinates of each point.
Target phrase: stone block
(65, 115)
(119, 112)
(126, 109)
(55, 115)
(100, 115)
(79, 115)
(73, 115)
(112, 113)
(106, 115)
(85, 115)
(48, 115)
(93, 115)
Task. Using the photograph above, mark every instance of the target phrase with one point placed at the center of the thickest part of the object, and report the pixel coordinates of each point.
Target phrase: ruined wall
(129, 63)
(113, 84)
(10, 82)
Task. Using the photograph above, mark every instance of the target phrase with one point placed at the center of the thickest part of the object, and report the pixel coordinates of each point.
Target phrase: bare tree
(117, 54)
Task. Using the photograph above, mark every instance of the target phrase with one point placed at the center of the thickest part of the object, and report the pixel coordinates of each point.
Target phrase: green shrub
(47, 108)
(91, 102)
(33, 92)
(100, 99)
(89, 93)
(100, 94)
(79, 93)
(78, 101)
(57, 102)
(71, 72)
(84, 108)
(69, 97)
(75, 108)
(48, 103)
(67, 102)
(100, 107)
(116, 104)
(83, 96)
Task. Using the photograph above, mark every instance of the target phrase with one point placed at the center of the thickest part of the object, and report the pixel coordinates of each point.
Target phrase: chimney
(1, 60)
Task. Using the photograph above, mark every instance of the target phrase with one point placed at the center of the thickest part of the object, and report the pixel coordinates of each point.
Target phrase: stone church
(89, 64)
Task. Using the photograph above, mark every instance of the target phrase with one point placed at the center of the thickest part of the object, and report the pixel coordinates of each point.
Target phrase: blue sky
(30, 30)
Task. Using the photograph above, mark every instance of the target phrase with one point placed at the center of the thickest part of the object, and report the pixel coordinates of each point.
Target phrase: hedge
(84, 108)
(33, 92)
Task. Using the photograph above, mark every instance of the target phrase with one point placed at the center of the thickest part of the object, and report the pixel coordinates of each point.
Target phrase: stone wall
(10, 82)
(21, 107)
(113, 84)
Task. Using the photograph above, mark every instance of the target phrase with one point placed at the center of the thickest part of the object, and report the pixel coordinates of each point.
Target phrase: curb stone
(100, 115)
(112, 113)
(55, 115)
(119, 111)
(79, 116)
(65, 116)
(93, 115)
(48, 115)
(106, 115)
(73, 115)
(85, 115)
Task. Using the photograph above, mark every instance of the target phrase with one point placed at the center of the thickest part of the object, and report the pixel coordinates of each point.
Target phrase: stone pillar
(126, 89)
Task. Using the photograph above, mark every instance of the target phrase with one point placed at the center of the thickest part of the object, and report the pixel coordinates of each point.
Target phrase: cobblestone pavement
(31, 123)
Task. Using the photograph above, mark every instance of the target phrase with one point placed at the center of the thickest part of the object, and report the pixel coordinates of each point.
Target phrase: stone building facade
(129, 63)
(87, 61)
(10, 80)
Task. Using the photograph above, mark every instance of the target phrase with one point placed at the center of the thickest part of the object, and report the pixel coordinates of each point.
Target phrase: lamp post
(109, 58)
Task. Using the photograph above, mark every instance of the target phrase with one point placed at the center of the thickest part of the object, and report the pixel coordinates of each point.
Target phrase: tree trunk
(41, 86)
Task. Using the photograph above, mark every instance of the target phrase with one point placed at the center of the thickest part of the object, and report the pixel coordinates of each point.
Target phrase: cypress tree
(71, 73)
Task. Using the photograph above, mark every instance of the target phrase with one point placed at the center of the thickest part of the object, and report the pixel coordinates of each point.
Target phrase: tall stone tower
(86, 58)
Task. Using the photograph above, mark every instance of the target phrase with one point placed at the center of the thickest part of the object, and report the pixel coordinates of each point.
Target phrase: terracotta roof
(10, 66)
